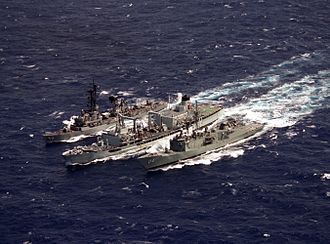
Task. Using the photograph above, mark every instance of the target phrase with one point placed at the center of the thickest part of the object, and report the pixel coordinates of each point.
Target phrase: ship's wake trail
(285, 105)
(290, 70)
(281, 106)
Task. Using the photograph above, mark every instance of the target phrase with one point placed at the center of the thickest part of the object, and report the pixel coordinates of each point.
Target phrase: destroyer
(161, 126)
(184, 146)
(92, 121)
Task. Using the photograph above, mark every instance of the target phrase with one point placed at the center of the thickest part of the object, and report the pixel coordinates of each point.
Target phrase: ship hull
(87, 158)
(155, 161)
(58, 137)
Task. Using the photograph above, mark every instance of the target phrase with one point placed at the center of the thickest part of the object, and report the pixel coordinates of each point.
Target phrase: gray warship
(92, 120)
(187, 146)
(161, 125)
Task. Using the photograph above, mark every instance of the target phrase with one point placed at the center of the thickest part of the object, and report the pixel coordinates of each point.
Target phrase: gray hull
(156, 161)
(87, 158)
(57, 137)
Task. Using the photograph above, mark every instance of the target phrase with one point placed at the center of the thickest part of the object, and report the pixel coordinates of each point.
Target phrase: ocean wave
(56, 114)
(325, 176)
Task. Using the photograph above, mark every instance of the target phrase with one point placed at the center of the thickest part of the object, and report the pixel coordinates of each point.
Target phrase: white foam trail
(205, 159)
(237, 87)
(325, 176)
(268, 79)
(104, 93)
(286, 104)
(76, 138)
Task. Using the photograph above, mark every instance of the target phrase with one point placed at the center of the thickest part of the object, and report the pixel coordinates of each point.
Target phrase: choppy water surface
(267, 61)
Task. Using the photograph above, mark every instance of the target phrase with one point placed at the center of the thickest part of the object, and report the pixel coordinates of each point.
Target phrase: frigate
(136, 138)
(185, 146)
(92, 121)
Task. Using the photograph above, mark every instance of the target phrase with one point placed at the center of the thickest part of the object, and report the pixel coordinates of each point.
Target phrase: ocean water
(265, 60)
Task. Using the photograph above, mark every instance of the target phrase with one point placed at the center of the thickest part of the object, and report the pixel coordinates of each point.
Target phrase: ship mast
(92, 98)
(196, 114)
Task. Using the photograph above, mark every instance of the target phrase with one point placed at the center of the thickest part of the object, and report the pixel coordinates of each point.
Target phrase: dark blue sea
(265, 60)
